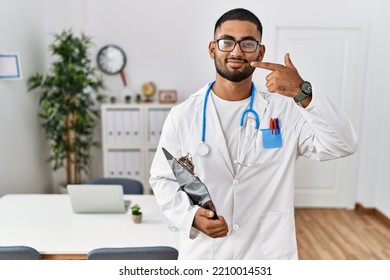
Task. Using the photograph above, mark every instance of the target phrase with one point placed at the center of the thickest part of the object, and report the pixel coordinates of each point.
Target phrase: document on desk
(190, 183)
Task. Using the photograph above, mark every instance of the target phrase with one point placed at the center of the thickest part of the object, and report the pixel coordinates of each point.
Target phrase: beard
(233, 75)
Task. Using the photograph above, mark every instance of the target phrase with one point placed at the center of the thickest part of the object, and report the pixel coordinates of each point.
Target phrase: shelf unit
(130, 135)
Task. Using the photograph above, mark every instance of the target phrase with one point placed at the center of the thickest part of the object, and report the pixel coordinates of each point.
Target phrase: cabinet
(130, 135)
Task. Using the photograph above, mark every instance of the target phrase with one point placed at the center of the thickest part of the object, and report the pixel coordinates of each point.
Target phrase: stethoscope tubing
(251, 111)
(247, 111)
(204, 111)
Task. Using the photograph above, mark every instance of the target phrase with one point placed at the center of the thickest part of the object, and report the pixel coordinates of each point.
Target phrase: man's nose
(237, 49)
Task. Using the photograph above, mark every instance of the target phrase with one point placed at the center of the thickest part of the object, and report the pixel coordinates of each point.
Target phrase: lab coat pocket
(272, 138)
(270, 148)
(277, 236)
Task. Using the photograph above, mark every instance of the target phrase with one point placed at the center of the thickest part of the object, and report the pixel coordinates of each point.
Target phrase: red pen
(272, 125)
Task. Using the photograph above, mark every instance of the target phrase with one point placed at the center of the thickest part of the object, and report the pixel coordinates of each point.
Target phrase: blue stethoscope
(203, 149)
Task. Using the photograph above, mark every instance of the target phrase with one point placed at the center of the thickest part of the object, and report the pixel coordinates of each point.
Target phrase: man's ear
(261, 53)
(212, 49)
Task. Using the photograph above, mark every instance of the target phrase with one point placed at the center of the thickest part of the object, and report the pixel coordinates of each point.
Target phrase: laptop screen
(97, 198)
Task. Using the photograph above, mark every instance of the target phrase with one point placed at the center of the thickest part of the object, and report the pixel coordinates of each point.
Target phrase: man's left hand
(283, 79)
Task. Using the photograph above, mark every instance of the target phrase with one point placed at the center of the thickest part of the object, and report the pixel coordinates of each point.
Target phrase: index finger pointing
(266, 65)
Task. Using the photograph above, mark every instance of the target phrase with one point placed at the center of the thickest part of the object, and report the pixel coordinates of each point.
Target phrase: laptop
(97, 198)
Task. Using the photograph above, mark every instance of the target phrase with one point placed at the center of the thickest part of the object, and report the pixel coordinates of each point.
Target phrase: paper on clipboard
(190, 184)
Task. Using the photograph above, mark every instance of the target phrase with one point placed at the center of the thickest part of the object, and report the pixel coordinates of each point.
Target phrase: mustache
(237, 59)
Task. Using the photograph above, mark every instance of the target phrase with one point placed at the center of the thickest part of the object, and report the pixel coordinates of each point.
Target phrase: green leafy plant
(69, 94)
(135, 209)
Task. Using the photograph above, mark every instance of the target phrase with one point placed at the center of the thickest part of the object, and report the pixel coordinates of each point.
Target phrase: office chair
(134, 253)
(19, 253)
(130, 186)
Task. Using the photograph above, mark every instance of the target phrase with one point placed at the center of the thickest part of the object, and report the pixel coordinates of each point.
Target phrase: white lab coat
(257, 202)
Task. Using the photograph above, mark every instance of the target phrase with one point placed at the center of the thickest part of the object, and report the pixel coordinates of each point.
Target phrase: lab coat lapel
(259, 106)
(216, 135)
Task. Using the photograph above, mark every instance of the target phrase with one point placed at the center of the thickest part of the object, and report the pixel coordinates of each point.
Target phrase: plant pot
(62, 189)
(137, 218)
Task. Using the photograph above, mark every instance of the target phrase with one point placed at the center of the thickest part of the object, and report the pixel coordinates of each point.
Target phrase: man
(249, 172)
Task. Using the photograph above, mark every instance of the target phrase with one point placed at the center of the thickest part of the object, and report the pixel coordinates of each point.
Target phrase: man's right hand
(214, 228)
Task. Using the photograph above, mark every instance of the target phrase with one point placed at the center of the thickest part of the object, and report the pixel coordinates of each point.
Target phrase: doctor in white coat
(248, 170)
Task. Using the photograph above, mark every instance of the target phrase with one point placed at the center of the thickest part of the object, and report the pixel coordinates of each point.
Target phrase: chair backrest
(134, 253)
(130, 186)
(19, 253)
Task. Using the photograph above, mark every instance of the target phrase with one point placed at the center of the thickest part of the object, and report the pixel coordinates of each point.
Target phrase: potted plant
(136, 213)
(138, 98)
(69, 93)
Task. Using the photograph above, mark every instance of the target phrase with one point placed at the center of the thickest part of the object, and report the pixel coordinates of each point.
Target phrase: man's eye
(227, 43)
(248, 44)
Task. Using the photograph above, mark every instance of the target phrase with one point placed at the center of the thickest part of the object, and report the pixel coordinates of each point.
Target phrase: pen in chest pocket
(274, 126)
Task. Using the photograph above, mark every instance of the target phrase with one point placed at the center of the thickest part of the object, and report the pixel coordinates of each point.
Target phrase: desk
(47, 223)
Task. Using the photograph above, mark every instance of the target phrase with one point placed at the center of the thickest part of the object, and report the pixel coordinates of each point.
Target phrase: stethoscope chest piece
(202, 149)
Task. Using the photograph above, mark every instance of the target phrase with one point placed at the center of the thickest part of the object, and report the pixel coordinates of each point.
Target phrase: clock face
(111, 59)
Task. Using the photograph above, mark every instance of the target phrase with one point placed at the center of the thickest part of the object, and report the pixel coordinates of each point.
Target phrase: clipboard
(190, 184)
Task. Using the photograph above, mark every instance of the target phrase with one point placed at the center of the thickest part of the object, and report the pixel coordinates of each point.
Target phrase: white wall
(373, 188)
(166, 42)
(22, 146)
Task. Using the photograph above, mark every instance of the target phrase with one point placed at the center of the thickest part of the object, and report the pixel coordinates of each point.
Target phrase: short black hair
(239, 14)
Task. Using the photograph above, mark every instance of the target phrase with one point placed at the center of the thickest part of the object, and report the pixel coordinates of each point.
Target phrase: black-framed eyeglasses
(246, 46)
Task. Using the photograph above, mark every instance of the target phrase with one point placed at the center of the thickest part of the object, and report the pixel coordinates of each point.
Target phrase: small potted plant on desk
(136, 214)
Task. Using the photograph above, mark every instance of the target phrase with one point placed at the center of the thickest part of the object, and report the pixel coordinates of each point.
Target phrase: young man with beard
(249, 169)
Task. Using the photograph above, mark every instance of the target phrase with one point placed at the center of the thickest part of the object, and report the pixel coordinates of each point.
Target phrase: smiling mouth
(236, 62)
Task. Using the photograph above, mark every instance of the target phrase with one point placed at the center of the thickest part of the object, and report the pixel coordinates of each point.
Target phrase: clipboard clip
(186, 161)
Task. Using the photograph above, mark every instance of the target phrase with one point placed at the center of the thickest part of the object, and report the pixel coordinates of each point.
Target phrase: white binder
(163, 116)
(128, 166)
(150, 158)
(119, 126)
(136, 122)
(152, 125)
(127, 126)
(137, 165)
(120, 164)
(111, 164)
(110, 127)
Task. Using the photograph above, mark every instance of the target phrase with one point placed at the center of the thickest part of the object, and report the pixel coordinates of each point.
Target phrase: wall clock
(111, 59)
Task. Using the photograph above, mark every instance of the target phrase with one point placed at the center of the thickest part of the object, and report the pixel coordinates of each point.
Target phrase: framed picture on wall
(10, 66)
(167, 96)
